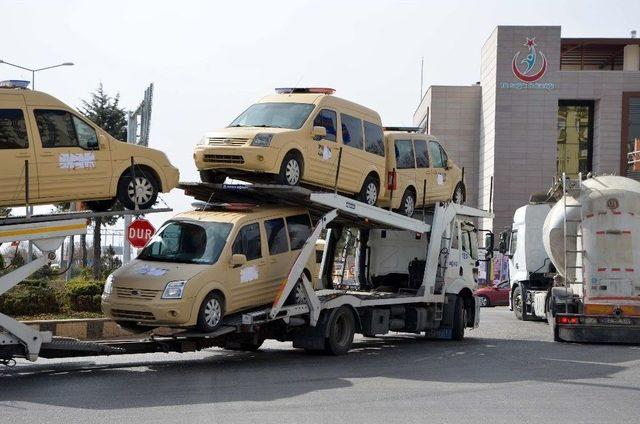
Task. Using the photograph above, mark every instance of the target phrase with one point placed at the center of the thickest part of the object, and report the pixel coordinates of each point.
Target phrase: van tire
(144, 182)
(100, 205)
(291, 170)
(408, 203)
(342, 328)
(211, 313)
(459, 319)
(212, 177)
(370, 190)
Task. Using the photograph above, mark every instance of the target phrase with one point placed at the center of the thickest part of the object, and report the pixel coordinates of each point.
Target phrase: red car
(494, 296)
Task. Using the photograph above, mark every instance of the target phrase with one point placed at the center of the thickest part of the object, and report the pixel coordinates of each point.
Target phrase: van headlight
(202, 141)
(262, 140)
(174, 290)
(108, 285)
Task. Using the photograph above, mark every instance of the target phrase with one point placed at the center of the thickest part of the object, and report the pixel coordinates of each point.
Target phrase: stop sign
(139, 232)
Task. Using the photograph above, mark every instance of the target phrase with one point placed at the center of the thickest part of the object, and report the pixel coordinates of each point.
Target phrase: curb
(82, 329)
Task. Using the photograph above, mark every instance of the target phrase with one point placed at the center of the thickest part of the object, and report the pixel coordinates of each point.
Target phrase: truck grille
(224, 159)
(225, 141)
(141, 315)
(142, 294)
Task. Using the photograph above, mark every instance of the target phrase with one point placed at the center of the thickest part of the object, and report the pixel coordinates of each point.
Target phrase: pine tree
(105, 111)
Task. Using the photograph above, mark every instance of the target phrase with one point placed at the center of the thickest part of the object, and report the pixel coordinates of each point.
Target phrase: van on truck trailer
(432, 294)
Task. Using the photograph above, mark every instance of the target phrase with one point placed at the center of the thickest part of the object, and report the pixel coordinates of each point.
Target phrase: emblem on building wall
(528, 70)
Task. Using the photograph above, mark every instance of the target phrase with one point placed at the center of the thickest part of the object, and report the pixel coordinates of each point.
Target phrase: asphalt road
(505, 371)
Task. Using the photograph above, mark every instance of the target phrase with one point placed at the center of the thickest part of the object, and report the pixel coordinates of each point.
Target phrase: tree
(105, 111)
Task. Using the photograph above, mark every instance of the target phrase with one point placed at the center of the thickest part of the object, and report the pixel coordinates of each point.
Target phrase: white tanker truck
(574, 259)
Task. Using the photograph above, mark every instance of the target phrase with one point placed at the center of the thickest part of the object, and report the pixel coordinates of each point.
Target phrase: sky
(209, 60)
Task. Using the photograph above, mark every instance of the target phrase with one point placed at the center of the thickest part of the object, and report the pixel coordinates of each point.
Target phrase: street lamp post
(33, 71)
(33, 87)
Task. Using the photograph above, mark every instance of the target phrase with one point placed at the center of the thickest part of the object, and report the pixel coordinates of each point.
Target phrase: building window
(351, 131)
(575, 137)
(631, 133)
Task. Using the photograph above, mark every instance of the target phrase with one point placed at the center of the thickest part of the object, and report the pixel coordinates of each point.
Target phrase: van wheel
(290, 170)
(212, 177)
(516, 301)
(459, 320)
(100, 205)
(211, 313)
(408, 203)
(341, 330)
(144, 190)
(297, 296)
(458, 194)
(369, 191)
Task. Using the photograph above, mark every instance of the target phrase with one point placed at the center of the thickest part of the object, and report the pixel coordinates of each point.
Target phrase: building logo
(526, 70)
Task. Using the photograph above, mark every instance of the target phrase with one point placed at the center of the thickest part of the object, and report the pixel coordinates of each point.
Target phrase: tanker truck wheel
(517, 302)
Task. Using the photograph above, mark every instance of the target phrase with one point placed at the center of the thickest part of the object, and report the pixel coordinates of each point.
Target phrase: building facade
(544, 105)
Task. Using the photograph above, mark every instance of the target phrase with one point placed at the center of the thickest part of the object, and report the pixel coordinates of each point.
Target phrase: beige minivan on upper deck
(295, 136)
(203, 265)
(69, 158)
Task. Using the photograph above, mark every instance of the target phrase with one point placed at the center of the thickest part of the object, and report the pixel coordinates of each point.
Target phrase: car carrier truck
(426, 289)
(574, 260)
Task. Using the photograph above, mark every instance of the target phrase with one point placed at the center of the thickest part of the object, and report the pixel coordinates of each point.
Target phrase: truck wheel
(408, 203)
(459, 320)
(341, 331)
(144, 190)
(517, 302)
(211, 313)
(212, 177)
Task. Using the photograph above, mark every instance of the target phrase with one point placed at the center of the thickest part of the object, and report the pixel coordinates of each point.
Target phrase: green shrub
(83, 294)
(29, 298)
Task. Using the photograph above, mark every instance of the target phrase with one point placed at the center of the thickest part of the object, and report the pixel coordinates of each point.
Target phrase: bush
(83, 294)
(30, 298)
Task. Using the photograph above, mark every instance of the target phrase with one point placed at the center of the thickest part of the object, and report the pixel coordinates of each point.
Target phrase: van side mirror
(238, 259)
(504, 242)
(489, 244)
(319, 133)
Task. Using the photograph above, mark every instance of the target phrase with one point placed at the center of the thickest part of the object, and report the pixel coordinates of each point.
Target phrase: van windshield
(187, 242)
(274, 115)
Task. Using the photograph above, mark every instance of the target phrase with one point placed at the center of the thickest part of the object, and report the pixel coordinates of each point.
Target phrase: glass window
(503, 285)
(373, 139)
(473, 244)
(514, 243)
(248, 242)
(436, 155)
(351, 131)
(299, 228)
(274, 115)
(13, 131)
(87, 138)
(328, 119)
(455, 243)
(276, 236)
(56, 128)
(422, 157)
(465, 242)
(404, 154)
(187, 242)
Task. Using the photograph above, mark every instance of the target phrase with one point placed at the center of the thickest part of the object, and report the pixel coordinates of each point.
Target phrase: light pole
(33, 71)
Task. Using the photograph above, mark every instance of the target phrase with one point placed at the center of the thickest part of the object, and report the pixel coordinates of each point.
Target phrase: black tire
(147, 185)
(291, 170)
(458, 195)
(408, 203)
(484, 301)
(210, 316)
(370, 190)
(517, 302)
(459, 320)
(212, 177)
(342, 328)
(100, 205)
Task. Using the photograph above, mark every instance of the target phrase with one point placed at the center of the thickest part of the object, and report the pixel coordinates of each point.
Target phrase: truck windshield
(274, 115)
(187, 242)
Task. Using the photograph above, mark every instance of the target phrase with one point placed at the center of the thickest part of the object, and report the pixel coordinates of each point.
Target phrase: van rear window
(13, 131)
(404, 154)
(373, 139)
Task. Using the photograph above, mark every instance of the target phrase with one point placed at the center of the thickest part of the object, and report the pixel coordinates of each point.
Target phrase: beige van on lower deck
(203, 265)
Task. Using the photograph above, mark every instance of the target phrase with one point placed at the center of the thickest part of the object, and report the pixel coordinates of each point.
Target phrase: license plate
(625, 321)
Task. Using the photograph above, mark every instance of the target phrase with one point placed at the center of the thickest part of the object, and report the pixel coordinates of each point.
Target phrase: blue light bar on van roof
(14, 84)
(296, 90)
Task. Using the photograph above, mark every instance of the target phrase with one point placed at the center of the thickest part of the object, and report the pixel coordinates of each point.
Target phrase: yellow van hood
(154, 275)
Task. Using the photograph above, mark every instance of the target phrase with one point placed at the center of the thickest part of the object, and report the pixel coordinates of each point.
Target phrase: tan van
(70, 158)
(417, 158)
(295, 136)
(203, 265)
